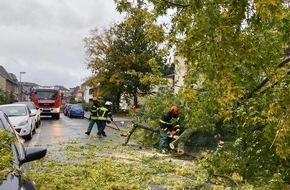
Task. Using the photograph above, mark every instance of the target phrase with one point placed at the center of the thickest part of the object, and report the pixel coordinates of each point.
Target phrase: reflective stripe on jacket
(94, 113)
(103, 113)
(166, 120)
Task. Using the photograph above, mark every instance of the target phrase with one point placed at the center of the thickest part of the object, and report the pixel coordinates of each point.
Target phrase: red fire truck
(47, 99)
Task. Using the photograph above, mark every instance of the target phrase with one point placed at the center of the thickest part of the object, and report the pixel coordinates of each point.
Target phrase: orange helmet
(174, 109)
(94, 98)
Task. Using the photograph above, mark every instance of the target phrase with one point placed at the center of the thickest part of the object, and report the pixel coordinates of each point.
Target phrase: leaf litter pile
(104, 164)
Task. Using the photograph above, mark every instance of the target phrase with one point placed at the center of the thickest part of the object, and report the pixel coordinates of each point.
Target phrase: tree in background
(127, 58)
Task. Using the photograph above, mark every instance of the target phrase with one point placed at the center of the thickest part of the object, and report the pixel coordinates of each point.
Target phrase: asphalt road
(55, 132)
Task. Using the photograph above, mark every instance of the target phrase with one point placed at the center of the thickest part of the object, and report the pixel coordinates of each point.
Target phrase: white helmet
(108, 103)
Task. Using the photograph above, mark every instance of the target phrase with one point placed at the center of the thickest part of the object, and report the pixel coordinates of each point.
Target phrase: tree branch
(176, 4)
(228, 177)
(266, 80)
(273, 85)
(140, 125)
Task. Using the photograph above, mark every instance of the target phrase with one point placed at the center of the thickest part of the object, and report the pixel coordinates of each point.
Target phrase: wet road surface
(53, 132)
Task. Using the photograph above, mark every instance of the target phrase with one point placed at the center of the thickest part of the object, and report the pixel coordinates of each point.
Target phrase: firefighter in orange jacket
(166, 127)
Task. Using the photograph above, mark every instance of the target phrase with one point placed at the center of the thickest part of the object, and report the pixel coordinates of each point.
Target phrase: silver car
(21, 118)
(33, 109)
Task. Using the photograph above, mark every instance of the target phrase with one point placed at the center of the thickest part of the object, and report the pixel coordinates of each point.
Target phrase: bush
(5, 97)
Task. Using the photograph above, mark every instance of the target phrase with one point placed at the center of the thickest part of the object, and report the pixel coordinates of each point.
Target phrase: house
(87, 94)
(8, 82)
(26, 90)
(76, 93)
(66, 94)
(180, 71)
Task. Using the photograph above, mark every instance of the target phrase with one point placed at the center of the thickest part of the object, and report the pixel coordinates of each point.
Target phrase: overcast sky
(44, 38)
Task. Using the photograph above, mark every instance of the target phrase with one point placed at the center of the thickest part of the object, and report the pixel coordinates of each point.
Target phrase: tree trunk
(143, 126)
(135, 126)
(130, 133)
(180, 148)
(135, 98)
(180, 141)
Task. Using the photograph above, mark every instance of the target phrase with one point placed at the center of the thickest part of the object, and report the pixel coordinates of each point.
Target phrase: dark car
(76, 110)
(14, 158)
(66, 108)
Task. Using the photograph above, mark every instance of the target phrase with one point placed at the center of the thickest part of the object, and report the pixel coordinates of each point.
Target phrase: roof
(13, 77)
(5, 74)
(30, 84)
(62, 88)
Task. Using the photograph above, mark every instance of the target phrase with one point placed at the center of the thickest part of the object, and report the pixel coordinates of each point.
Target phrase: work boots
(99, 135)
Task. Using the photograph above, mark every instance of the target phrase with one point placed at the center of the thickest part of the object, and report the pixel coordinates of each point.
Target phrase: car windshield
(50, 95)
(11, 111)
(30, 105)
(77, 107)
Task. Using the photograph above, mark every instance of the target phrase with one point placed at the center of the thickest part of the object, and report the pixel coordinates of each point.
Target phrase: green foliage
(151, 112)
(110, 166)
(126, 58)
(72, 100)
(5, 97)
(231, 52)
(247, 163)
(6, 158)
(87, 106)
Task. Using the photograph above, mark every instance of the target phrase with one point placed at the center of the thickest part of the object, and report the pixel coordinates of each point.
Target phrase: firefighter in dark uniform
(94, 115)
(104, 112)
(167, 122)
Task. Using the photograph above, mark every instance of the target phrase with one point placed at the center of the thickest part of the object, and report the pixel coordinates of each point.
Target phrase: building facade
(9, 83)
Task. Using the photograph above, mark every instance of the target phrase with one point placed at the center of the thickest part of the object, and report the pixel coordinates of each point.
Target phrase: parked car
(35, 110)
(14, 166)
(66, 108)
(21, 118)
(76, 110)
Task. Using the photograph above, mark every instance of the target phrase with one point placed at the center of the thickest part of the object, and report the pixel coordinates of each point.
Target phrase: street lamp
(21, 85)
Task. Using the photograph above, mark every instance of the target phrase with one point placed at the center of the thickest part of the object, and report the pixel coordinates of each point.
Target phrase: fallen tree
(180, 141)
(140, 125)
